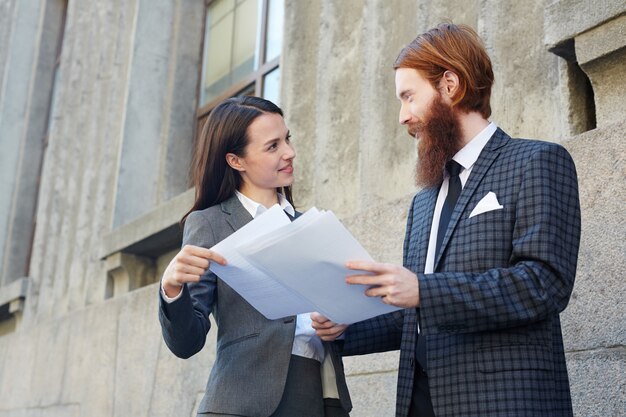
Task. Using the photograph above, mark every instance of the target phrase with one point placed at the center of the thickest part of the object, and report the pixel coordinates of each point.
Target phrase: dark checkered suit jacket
(491, 309)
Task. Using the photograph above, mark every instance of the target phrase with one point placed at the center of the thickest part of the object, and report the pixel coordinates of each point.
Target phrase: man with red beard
(490, 250)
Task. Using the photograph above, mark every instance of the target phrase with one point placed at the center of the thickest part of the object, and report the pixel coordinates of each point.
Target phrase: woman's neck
(267, 198)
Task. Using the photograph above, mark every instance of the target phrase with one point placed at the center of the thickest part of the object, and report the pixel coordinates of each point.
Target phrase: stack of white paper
(284, 268)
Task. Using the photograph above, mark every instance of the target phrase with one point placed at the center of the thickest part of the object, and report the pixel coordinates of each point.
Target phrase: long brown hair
(225, 132)
(456, 48)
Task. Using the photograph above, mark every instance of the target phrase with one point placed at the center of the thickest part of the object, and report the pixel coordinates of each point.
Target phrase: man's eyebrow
(404, 93)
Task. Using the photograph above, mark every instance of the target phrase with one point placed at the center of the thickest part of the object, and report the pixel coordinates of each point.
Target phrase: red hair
(459, 49)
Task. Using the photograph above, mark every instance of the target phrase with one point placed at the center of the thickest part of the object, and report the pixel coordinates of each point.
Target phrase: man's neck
(472, 124)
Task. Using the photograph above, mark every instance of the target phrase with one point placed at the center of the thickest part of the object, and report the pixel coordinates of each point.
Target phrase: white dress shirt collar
(255, 208)
(469, 154)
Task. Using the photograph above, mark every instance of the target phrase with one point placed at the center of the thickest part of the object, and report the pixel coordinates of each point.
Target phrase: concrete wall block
(180, 110)
(607, 78)
(597, 382)
(299, 67)
(30, 412)
(18, 369)
(137, 352)
(601, 40)
(601, 52)
(138, 173)
(596, 313)
(337, 146)
(564, 19)
(127, 272)
(374, 363)
(190, 377)
(63, 410)
(525, 100)
(432, 13)
(382, 141)
(90, 374)
(373, 395)
(50, 362)
(381, 229)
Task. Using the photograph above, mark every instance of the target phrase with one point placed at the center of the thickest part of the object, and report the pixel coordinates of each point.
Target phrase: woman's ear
(449, 84)
(234, 162)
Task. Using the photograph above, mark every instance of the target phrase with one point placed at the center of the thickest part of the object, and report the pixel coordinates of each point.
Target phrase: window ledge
(152, 234)
(12, 297)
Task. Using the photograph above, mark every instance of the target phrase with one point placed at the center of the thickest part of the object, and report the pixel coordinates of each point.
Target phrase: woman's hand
(326, 329)
(187, 266)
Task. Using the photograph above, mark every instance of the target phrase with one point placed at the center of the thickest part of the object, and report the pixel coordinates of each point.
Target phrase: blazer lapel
(489, 154)
(238, 216)
(424, 209)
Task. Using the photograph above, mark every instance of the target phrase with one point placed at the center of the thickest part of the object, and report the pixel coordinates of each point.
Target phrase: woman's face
(268, 158)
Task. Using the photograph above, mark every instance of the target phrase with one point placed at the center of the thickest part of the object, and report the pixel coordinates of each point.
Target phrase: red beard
(439, 140)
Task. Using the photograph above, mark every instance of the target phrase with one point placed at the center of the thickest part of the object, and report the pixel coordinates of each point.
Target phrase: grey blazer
(253, 353)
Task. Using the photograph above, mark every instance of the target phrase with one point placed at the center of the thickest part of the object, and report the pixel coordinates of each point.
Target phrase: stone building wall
(78, 332)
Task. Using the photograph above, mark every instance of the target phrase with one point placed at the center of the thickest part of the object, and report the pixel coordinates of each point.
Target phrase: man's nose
(404, 116)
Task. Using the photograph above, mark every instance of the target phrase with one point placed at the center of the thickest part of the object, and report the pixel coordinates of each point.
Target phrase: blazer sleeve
(378, 334)
(185, 322)
(540, 277)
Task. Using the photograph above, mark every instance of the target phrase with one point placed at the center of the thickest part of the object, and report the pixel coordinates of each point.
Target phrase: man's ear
(235, 162)
(449, 84)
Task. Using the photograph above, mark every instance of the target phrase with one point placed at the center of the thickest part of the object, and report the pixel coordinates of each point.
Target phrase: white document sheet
(263, 292)
(309, 258)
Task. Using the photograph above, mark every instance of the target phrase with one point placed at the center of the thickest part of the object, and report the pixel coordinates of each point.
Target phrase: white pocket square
(488, 203)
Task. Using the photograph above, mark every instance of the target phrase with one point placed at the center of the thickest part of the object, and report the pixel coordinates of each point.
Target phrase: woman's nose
(290, 152)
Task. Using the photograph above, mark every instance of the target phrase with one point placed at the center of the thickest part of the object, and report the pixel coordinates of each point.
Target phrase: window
(243, 40)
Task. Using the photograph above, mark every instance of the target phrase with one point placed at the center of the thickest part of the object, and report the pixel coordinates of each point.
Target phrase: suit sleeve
(540, 277)
(185, 322)
(378, 334)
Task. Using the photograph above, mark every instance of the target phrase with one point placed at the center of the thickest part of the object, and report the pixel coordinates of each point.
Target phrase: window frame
(255, 78)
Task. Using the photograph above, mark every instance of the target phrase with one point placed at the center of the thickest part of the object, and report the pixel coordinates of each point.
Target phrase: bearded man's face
(432, 121)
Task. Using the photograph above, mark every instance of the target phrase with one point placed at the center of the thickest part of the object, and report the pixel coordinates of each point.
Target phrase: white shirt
(305, 342)
(467, 157)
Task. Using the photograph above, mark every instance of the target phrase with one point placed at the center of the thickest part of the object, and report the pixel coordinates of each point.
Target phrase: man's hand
(394, 284)
(326, 329)
(187, 266)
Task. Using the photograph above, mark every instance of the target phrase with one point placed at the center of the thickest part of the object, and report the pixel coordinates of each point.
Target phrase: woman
(244, 165)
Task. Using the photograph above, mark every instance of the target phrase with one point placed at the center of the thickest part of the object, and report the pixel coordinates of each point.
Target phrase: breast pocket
(483, 241)
(226, 344)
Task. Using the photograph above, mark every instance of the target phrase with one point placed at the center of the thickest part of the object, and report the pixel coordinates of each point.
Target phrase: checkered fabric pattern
(491, 309)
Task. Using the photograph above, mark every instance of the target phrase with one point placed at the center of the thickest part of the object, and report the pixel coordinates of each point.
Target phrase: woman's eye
(288, 139)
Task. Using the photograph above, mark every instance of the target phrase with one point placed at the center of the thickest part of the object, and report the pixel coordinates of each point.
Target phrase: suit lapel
(238, 216)
(423, 210)
(489, 154)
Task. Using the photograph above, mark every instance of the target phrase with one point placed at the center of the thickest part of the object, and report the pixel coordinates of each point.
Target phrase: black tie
(454, 189)
(292, 218)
